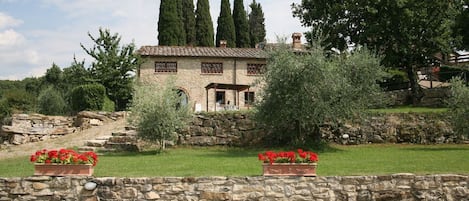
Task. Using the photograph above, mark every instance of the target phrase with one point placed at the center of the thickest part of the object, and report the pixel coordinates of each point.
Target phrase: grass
(218, 161)
(410, 109)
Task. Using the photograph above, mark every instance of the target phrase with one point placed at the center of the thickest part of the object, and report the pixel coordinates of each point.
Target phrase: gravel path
(77, 139)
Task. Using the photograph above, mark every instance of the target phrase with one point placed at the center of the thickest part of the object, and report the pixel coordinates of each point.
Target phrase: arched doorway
(184, 98)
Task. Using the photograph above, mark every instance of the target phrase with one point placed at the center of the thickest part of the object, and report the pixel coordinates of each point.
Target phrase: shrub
(396, 80)
(109, 105)
(51, 102)
(88, 97)
(458, 105)
(303, 91)
(156, 112)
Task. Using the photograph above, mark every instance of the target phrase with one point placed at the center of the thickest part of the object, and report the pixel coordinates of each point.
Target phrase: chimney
(222, 43)
(297, 41)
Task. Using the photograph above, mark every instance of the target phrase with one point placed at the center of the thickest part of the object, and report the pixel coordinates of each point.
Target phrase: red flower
(33, 158)
(64, 156)
(288, 157)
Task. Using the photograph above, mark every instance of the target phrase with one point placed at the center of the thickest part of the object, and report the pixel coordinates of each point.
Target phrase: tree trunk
(416, 90)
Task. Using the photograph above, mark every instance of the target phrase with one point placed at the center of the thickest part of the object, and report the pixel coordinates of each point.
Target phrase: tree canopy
(256, 24)
(114, 66)
(170, 24)
(407, 33)
(225, 28)
(303, 91)
(241, 24)
(188, 17)
(203, 24)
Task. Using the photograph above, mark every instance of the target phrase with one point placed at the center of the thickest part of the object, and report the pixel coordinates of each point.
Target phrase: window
(248, 98)
(256, 69)
(212, 68)
(166, 67)
(220, 97)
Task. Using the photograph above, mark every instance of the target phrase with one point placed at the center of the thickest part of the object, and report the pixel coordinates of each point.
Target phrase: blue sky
(36, 33)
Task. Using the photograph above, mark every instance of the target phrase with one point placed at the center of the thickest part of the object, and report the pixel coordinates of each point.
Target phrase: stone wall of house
(238, 129)
(26, 128)
(190, 79)
(342, 188)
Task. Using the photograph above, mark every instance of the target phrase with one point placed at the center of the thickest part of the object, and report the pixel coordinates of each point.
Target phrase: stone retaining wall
(342, 188)
(26, 128)
(238, 129)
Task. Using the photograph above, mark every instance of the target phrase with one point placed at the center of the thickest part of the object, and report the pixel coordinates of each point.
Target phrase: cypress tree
(225, 29)
(182, 33)
(189, 21)
(241, 24)
(170, 26)
(256, 24)
(203, 24)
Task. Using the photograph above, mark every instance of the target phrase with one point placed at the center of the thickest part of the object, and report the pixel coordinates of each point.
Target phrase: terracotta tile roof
(179, 51)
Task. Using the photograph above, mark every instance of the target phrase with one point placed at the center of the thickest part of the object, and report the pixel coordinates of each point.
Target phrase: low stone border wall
(389, 187)
(239, 129)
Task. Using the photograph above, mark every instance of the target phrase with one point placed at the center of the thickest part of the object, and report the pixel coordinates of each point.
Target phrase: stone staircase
(125, 140)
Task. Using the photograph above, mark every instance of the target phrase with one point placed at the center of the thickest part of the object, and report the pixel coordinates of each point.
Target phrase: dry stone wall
(407, 187)
(239, 129)
(26, 128)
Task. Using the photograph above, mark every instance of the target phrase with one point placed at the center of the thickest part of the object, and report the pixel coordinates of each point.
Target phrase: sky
(34, 34)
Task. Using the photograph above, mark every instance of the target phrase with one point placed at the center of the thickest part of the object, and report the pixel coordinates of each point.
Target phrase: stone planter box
(289, 169)
(63, 170)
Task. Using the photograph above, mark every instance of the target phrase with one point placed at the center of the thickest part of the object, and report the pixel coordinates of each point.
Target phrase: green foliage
(170, 25)
(461, 27)
(33, 85)
(156, 112)
(395, 80)
(20, 101)
(188, 18)
(8, 85)
(302, 91)
(226, 28)
(88, 97)
(459, 106)
(406, 33)
(51, 102)
(108, 105)
(53, 75)
(203, 24)
(241, 24)
(256, 24)
(74, 75)
(114, 66)
(447, 73)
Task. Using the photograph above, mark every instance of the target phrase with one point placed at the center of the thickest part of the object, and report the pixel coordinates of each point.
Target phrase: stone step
(104, 137)
(122, 146)
(86, 149)
(122, 139)
(96, 143)
(125, 133)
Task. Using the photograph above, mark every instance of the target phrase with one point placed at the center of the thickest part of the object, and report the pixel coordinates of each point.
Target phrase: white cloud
(8, 21)
(10, 38)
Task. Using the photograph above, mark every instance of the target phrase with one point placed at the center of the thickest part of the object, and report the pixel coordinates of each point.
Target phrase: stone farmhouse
(208, 78)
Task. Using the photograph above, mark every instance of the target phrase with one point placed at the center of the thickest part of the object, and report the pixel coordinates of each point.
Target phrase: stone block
(152, 196)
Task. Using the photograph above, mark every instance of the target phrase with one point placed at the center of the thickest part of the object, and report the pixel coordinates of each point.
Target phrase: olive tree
(302, 91)
(157, 113)
(458, 105)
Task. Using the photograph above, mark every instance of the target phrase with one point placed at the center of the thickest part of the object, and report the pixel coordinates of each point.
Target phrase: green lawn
(409, 109)
(338, 160)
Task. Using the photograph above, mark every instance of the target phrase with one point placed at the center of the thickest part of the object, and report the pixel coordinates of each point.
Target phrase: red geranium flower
(64, 156)
(288, 157)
